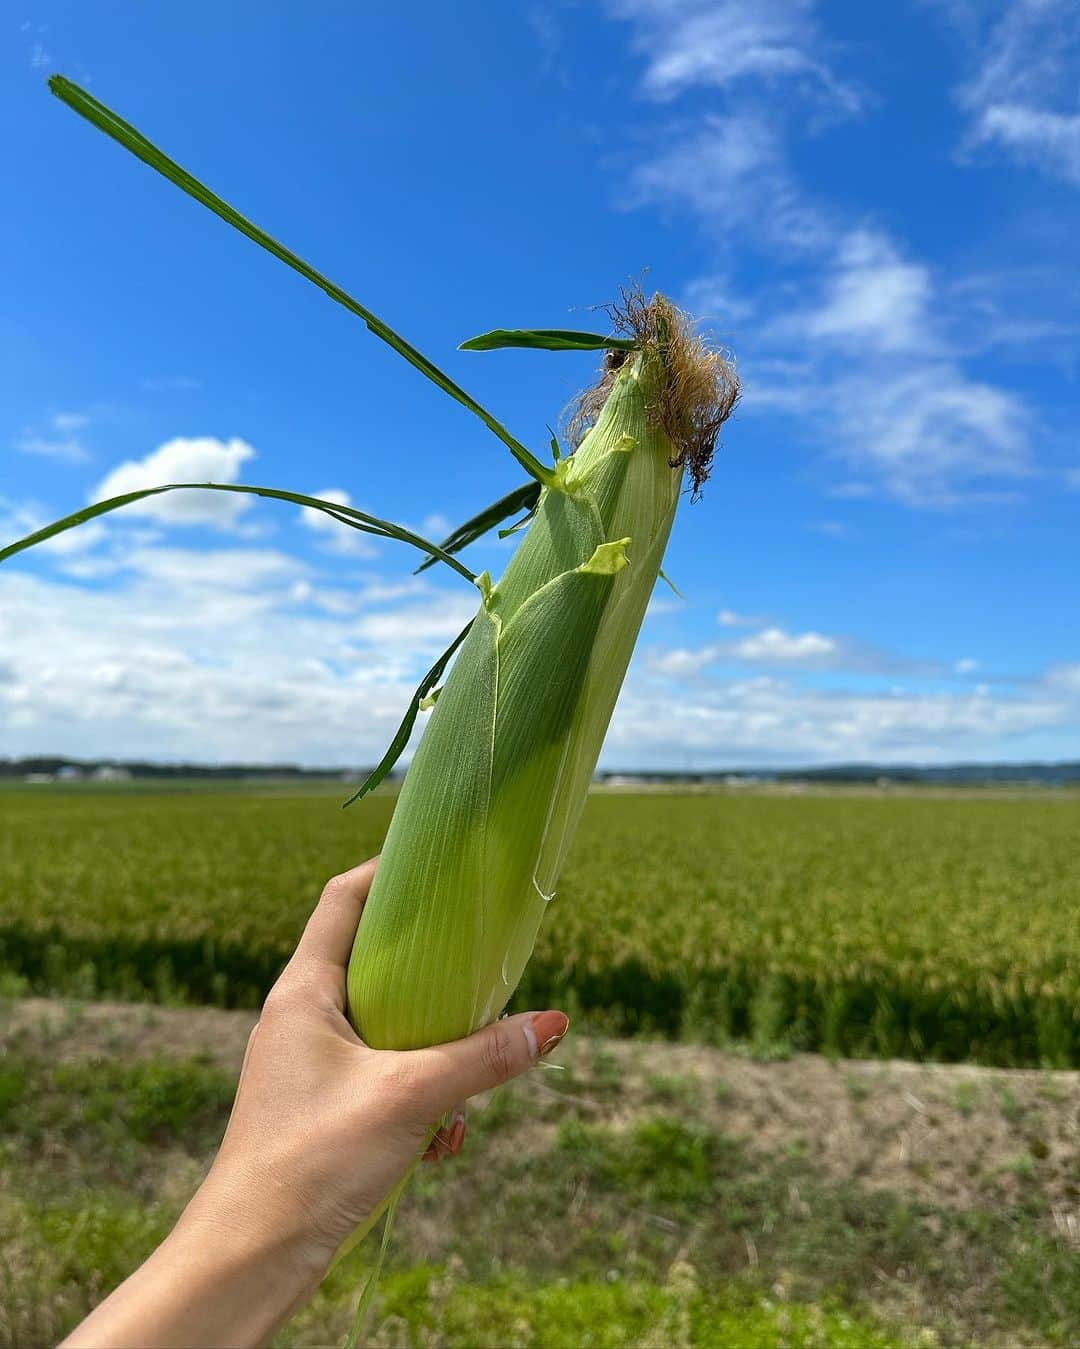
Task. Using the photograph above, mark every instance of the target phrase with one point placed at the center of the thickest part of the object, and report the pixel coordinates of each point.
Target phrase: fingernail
(457, 1131)
(544, 1031)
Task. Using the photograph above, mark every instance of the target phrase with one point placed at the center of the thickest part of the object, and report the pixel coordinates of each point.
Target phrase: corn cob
(491, 800)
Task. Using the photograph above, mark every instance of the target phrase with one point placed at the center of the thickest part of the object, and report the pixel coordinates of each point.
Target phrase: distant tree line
(959, 774)
(58, 765)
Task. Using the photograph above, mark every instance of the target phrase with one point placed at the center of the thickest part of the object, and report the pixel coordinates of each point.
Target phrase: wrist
(255, 1226)
(216, 1279)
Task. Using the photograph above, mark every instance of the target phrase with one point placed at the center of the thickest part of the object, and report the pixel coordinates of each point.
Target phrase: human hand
(322, 1130)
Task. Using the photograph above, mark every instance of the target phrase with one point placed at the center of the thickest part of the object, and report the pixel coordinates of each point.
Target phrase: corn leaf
(546, 339)
(126, 135)
(524, 497)
(401, 736)
(369, 524)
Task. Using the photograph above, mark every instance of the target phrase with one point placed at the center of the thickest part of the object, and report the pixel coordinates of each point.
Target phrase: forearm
(207, 1284)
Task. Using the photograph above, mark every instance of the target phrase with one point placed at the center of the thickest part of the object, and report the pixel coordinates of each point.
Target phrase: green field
(921, 926)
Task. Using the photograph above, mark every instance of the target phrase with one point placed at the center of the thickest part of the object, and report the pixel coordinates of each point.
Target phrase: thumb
(504, 1050)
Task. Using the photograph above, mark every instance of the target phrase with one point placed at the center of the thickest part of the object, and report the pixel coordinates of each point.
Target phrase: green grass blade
(369, 524)
(546, 339)
(126, 135)
(401, 736)
(521, 498)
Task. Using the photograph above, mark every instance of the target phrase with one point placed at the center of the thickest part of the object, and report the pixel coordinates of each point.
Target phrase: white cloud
(245, 653)
(874, 297)
(435, 526)
(67, 449)
(868, 365)
(1065, 677)
(731, 171)
(1021, 96)
(436, 622)
(1049, 140)
(71, 421)
(933, 436)
(718, 43)
(766, 720)
(713, 300)
(774, 646)
(61, 441)
(184, 459)
(965, 665)
(682, 662)
(337, 537)
(233, 653)
(728, 618)
(660, 606)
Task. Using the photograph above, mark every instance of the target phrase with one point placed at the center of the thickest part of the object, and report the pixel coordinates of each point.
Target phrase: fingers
(494, 1055)
(331, 929)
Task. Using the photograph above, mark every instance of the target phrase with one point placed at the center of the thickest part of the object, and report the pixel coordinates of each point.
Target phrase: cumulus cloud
(184, 459)
(214, 654)
(774, 646)
(774, 721)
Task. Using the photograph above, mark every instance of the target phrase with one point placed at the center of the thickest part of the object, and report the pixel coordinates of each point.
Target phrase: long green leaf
(126, 135)
(521, 498)
(401, 737)
(546, 339)
(369, 524)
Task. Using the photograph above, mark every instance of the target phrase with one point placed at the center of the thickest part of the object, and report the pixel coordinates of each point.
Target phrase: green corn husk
(491, 800)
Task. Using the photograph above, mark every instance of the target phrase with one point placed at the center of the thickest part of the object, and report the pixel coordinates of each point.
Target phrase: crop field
(925, 927)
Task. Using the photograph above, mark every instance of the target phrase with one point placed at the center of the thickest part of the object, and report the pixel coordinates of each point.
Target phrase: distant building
(110, 773)
(69, 773)
(38, 777)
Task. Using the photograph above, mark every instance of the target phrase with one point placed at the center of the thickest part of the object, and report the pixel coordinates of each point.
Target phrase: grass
(934, 928)
(628, 1204)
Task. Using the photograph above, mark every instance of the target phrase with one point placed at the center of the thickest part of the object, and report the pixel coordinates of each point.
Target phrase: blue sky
(875, 207)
